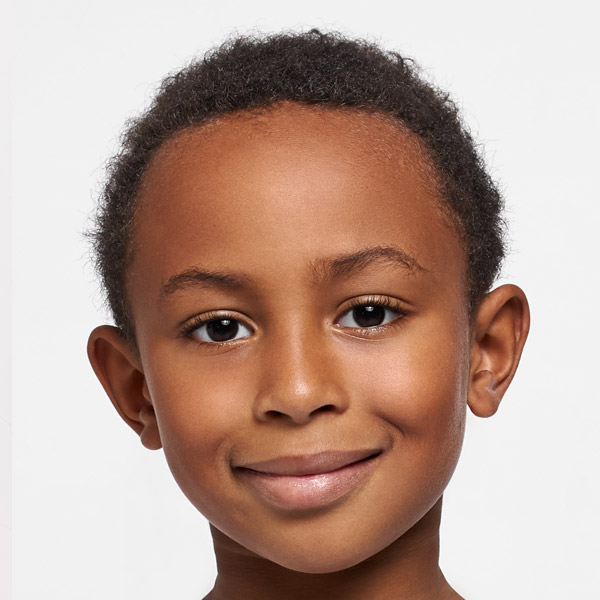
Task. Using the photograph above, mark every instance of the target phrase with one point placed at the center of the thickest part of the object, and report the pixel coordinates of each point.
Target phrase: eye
(368, 315)
(220, 330)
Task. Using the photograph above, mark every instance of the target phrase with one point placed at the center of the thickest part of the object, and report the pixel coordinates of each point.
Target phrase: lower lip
(303, 492)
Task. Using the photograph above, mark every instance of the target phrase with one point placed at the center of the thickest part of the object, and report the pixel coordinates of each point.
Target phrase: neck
(407, 569)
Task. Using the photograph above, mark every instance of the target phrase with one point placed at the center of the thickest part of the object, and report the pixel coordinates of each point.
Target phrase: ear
(500, 330)
(119, 371)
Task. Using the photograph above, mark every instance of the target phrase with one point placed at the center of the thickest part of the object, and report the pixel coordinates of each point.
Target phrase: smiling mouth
(308, 481)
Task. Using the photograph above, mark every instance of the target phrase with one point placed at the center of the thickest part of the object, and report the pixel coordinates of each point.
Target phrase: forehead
(354, 139)
(283, 188)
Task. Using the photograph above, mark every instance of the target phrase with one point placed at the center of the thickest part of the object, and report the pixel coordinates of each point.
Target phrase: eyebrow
(347, 264)
(194, 277)
(343, 265)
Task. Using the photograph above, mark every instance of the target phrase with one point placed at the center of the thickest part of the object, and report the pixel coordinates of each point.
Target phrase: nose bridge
(299, 378)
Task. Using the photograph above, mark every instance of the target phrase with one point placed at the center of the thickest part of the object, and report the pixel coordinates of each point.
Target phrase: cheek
(199, 409)
(418, 384)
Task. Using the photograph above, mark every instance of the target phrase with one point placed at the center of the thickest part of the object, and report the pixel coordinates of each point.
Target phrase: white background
(96, 516)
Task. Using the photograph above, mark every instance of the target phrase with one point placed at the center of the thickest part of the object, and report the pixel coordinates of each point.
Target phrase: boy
(297, 242)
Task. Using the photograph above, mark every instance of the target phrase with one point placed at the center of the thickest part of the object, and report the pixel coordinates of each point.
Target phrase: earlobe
(500, 330)
(484, 400)
(121, 376)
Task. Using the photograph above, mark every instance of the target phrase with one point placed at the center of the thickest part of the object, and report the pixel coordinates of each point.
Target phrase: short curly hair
(311, 68)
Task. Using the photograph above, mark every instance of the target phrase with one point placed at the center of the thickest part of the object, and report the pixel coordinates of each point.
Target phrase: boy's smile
(310, 480)
(301, 314)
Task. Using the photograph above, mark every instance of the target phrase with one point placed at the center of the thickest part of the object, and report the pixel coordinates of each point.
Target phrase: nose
(301, 380)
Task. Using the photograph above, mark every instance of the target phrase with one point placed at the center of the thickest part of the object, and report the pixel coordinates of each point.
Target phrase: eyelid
(375, 300)
(386, 302)
(190, 325)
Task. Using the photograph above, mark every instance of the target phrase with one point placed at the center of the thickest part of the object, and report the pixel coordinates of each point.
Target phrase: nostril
(299, 416)
(276, 414)
(324, 408)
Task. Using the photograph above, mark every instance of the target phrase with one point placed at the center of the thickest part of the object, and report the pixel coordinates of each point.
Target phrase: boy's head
(252, 74)
(305, 273)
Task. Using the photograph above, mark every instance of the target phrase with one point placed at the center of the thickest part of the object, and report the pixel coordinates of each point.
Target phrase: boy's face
(301, 315)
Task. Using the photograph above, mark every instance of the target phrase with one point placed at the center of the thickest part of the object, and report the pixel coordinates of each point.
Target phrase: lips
(308, 481)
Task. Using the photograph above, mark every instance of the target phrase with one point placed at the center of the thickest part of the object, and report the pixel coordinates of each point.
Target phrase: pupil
(222, 330)
(368, 316)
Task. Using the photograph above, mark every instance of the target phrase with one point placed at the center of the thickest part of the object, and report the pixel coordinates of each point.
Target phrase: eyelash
(384, 302)
(199, 321)
(379, 302)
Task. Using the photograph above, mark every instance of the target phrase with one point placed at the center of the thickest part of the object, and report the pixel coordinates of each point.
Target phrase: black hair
(312, 68)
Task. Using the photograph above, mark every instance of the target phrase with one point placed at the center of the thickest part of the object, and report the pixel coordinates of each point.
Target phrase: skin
(284, 222)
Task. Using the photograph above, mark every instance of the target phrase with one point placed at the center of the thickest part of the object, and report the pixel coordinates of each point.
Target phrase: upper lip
(309, 464)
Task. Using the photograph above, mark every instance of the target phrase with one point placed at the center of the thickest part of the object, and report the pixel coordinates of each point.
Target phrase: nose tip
(298, 386)
(299, 411)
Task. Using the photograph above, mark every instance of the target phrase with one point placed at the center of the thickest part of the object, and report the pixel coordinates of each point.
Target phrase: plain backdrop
(94, 514)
